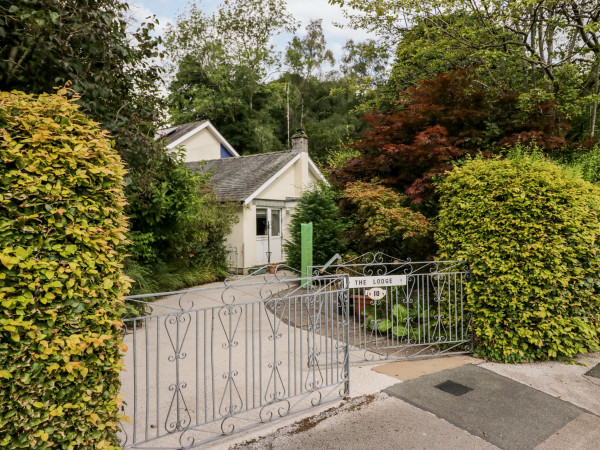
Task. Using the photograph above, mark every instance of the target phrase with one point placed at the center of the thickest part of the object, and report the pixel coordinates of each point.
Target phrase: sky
(302, 10)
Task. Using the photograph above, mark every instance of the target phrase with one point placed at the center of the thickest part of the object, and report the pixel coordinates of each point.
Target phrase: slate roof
(236, 179)
(174, 133)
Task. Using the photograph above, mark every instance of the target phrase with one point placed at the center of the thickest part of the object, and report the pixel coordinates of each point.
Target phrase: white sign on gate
(375, 293)
(383, 280)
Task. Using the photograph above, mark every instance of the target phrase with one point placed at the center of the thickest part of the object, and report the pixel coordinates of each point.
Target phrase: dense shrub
(110, 61)
(444, 120)
(61, 286)
(588, 164)
(382, 222)
(319, 207)
(530, 232)
(180, 227)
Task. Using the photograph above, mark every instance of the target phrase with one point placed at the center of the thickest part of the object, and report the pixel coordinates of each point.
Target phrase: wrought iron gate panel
(205, 364)
(424, 317)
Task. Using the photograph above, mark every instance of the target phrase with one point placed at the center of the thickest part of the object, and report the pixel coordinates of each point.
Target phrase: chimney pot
(300, 141)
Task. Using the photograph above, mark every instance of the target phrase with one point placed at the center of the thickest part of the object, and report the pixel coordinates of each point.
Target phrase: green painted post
(306, 244)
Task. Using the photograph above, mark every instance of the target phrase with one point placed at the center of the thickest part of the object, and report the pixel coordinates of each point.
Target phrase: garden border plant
(61, 284)
(531, 234)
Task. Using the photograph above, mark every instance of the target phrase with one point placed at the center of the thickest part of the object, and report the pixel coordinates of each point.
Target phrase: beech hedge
(530, 232)
(62, 238)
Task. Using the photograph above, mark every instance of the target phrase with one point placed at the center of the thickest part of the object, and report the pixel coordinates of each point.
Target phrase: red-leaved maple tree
(441, 121)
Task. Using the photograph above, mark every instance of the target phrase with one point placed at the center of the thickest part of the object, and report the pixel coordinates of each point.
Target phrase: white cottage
(266, 188)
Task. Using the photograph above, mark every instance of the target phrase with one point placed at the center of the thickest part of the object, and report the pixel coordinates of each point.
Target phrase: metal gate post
(346, 318)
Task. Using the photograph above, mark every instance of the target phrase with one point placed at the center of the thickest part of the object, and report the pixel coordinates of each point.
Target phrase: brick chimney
(300, 141)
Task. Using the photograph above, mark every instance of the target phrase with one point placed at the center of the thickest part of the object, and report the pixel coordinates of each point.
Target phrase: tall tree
(47, 43)
(305, 58)
(223, 62)
(555, 42)
(365, 69)
(441, 121)
(365, 61)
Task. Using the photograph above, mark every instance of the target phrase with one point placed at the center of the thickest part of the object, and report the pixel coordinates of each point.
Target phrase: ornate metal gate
(209, 362)
(404, 309)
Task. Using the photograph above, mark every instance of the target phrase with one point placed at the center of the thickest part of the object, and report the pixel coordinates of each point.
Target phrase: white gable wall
(289, 184)
(202, 146)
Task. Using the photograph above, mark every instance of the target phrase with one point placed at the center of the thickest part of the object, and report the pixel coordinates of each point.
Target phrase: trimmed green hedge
(61, 286)
(530, 232)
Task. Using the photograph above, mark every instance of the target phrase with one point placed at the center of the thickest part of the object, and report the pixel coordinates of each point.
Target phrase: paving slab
(501, 411)
(371, 422)
(583, 433)
(412, 369)
(594, 371)
(568, 382)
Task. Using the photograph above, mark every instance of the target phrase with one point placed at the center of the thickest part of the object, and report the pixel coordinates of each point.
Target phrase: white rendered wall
(201, 147)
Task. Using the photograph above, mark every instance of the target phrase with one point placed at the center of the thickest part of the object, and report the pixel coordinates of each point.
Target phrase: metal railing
(422, 315)
(212, 361)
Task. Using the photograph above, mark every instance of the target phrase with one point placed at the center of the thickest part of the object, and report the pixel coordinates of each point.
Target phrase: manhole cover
(594, 372)
(453, 388)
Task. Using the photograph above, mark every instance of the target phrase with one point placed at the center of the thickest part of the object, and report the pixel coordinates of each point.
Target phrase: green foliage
(322, 108)
(179, 224)
(365, 69)
(45, 43)
(391, 316)
(235, 89)
(339, 156)
(61, 287)
(513, 45)
(319, 207)
(318, 104)
(382, 222)
(587, 164)
(365, 61)
(530, 232)
(164, 277)
(306, 55)
(428, 49)
(222, 63)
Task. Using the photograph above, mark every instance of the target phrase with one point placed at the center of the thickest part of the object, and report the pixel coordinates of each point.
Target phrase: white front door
(269, 248)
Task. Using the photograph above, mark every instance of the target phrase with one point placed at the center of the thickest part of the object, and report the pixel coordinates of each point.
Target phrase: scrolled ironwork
(231, 400)
(315, 401)
(268, 411)
(432, 295)
(258, 348)
(178, 407)
(189, 298)
(227, 428)
(226, 314)
(186, 439)
(177, 341)
(275, 390)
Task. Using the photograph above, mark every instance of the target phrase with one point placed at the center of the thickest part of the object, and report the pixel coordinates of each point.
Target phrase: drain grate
(453, 388)
(594, 372)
